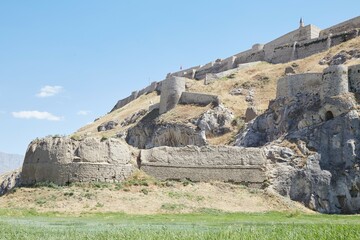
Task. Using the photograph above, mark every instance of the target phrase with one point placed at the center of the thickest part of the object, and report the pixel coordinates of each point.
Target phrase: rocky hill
(291, 128)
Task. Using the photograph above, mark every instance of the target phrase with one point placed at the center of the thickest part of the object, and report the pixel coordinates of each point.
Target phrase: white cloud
(83, 112)
(49, 91)
(36, 115)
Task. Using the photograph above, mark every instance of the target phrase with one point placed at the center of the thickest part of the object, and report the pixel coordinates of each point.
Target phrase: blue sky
(65, 63)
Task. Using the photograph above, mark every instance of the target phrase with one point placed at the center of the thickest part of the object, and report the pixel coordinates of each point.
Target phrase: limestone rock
(340, 58)
(64, 160)
(107, 126)
(9, 181)
(154, 135)
(134, 117)
(216, 121)
(324, 173)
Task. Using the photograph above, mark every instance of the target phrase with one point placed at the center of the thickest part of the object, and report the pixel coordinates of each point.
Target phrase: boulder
(289, 70)
(216, 121)
(107, 126)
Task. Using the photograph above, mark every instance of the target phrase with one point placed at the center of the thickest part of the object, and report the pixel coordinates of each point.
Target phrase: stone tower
(171, 90)
(334, 81)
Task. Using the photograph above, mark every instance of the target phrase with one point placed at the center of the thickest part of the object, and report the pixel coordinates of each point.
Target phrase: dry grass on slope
(262, 78)
(146, 196)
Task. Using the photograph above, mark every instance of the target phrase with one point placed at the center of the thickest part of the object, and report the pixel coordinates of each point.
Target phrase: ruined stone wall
(299, 83)
(335, 80)
(298, 44)
(154, 86)
(63, 160)
(223, 163)
(250, 56)
(198, 99)
(341, 27)
(187, 73)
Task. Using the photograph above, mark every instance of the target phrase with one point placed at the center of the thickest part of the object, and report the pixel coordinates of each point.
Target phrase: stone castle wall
(299, 83)
(335, 80)
(222, 163)
(298, 44)
(63, 160)
(341, 27)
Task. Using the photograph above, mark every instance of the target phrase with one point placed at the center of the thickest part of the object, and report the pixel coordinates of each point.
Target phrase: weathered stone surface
(199, 99)
(206, 163)
(9, 181)
(107, 126)
(340, 58)
(216, 121)
(134, 117)
(63, 160)
(171, 91)
(324, 173)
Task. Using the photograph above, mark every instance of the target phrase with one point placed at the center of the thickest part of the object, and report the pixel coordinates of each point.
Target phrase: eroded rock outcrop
(64, 160)
(9, 181)
(216, 121)
(323, 172)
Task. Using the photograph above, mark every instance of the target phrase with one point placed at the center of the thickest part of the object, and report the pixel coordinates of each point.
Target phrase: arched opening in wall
(329, 115)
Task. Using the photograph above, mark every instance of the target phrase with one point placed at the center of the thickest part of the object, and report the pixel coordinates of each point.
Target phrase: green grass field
(21, 224)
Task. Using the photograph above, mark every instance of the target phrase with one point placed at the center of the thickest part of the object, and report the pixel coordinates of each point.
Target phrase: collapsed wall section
(222, 163)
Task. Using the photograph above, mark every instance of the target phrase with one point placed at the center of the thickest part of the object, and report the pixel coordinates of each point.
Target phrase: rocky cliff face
(64, 160)
(9, 181)
(149, 132)
(322, 169)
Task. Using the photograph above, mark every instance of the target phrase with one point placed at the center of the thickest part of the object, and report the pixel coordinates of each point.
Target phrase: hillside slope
(259, 81)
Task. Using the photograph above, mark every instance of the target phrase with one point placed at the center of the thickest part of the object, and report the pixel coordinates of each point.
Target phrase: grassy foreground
(22, 224)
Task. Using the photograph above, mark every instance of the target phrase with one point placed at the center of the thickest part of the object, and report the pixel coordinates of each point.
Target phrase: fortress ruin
(300, 43)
